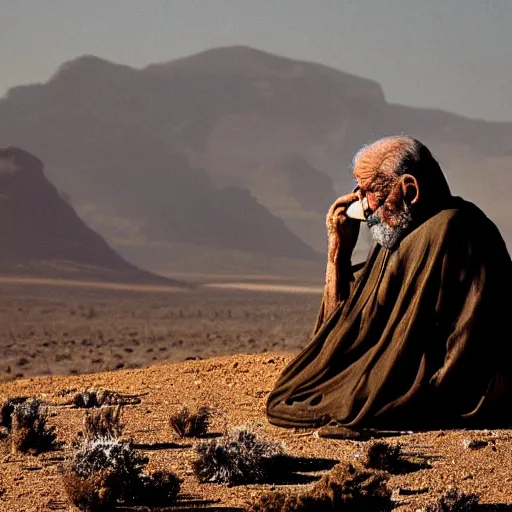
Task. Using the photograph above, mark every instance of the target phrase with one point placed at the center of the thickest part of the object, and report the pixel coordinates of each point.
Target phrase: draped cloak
(422, 340)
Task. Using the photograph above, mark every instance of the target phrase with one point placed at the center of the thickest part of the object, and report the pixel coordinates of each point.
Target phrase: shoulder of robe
(467, 225)
(465, 217)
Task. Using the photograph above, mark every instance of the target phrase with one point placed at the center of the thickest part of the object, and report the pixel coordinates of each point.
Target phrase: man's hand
(342, 231)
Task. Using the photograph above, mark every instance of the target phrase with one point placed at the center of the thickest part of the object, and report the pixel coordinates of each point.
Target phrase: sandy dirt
(221, 348)
(51, 329)
(236, 388)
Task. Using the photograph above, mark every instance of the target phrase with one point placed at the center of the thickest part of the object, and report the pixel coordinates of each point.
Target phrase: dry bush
(238, 458)
(101, 472)
(157, 489)
(104, 471)
(8, 408)
(385, 457)
(29, 432)
(93, 398)
(191, 424)
(97, 492)
(105, 422)
(346, 488)
(454, 500)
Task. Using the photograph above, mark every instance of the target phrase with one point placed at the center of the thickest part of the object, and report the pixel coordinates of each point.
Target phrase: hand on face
(336, 214)
(342, 231)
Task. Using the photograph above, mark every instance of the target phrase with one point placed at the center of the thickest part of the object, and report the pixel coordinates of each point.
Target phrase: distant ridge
(41, 235)
(232, 152)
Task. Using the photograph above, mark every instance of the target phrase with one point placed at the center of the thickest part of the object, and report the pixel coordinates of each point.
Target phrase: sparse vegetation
(191, 424)
(454, 500)
(346, 488)
(385, 457)
(93, 398)
(105, 471)
(97, 492)
(29, 431)
(54, 333)
(157, 489)
(7, 410)
(101, 472)
(238, 458)
(103, 423)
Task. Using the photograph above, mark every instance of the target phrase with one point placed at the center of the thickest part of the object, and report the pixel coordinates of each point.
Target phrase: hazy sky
(451, 54)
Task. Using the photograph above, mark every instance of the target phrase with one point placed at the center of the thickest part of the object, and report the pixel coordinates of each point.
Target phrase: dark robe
(421, 341)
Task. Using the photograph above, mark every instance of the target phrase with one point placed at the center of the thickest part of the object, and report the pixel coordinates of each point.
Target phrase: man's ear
(410, 188)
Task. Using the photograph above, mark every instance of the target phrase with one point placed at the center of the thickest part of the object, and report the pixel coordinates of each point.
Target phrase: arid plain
(221, 348)
(71, 328)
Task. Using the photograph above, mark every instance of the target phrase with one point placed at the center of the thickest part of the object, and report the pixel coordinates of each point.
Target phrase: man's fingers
(344, 201)
(341, 204)
(336, 216)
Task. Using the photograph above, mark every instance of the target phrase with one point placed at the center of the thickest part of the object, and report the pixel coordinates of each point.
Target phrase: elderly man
(416, 337)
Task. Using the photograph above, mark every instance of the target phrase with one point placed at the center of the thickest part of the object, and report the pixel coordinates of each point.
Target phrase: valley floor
(51, 328)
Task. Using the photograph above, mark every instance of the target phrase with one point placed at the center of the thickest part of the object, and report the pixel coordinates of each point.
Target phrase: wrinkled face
(389, 216)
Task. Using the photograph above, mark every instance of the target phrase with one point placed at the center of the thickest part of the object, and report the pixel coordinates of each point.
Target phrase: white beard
(385, 235)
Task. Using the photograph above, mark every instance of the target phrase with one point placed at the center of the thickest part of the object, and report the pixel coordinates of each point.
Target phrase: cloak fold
(422, 341)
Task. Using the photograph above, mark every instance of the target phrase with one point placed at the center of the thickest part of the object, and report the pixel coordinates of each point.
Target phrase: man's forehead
(384, 155)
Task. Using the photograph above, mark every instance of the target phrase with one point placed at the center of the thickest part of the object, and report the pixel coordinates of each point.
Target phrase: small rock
(474, 444)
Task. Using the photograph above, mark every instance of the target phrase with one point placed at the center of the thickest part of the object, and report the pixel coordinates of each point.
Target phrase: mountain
(41, 235)
(230, 151)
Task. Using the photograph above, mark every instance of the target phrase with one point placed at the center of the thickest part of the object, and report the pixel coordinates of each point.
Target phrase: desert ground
(216, 347)
(50, 328)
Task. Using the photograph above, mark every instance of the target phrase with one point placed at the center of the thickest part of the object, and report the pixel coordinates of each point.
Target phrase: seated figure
(416, 337)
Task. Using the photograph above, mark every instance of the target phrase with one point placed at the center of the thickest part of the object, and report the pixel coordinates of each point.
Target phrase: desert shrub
(105, 471)
(86, 399)
(157, 489)
(101, 472)
(384, 456)
(92, 398)
(29, 432)
(454, 500)
(274, 501)
(104, 454)
(97, 492)
(7, 410)
(237, 458)
(346, 488)
(191, 424)
(104, 422)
